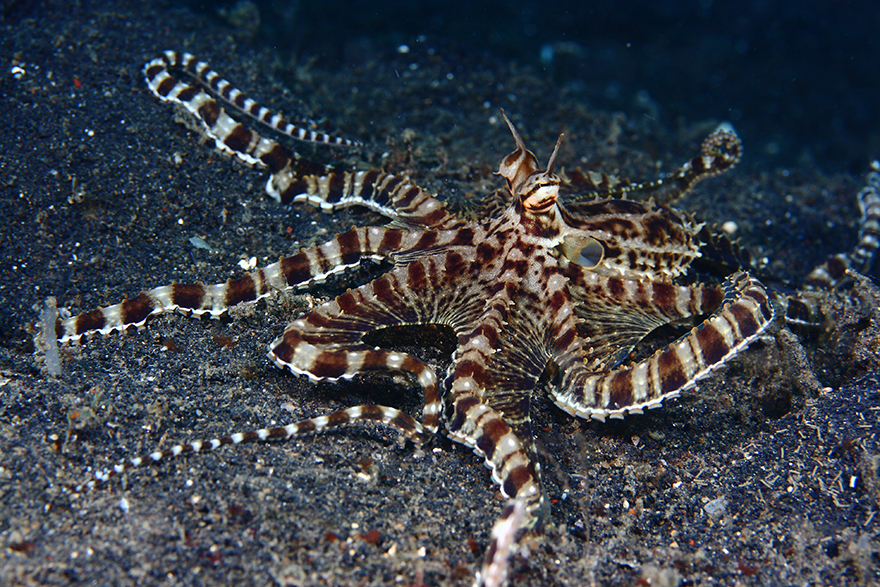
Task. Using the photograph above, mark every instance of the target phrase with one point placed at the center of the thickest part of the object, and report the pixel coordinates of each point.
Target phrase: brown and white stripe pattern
(719, 153)
(512, 288)
(203, 106)
(869, 225)
(833, 271)
(230, 136)
(501, 541)
(744, 314)
(473, 423)
(384, 415)
(292, 178)
(616, 313)
(344, 252)
(639, 240)
(336, 358)
(393, 196)
(420, 289)
(802, 310)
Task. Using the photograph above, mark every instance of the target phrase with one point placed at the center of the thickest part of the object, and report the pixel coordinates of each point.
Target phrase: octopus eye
(584, 251)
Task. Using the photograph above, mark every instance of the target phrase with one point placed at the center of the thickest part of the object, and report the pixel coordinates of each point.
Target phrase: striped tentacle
(616, 313)
(393, 196)
(327, 344)
(292, 178)
(503, 350)
(333, 360)
(832, 272)
(744, 314)
(803, 310)
(492, 378)
(505, 376)
(719, 153)
(309, 266)
(503, 537)
(230, 136)
(391, 417)
(509, 372)
(637, 239)
(595, 184)
(204, 107)
(469, 421)
(869, 225)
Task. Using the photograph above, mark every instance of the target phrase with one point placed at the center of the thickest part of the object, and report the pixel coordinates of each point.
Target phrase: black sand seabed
(749, 480)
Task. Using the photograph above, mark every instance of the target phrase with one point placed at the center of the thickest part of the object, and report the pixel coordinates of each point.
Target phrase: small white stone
(716, 508)
(248, 264)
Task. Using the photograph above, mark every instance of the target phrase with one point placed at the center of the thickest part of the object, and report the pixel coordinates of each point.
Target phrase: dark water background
(797, 77)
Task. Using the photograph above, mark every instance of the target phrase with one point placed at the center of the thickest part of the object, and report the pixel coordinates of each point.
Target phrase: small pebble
(716, 508)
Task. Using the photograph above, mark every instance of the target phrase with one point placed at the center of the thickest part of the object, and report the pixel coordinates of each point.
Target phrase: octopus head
(535, 189)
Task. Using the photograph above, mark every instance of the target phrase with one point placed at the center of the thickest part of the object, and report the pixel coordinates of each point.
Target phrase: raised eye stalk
(536, 190)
